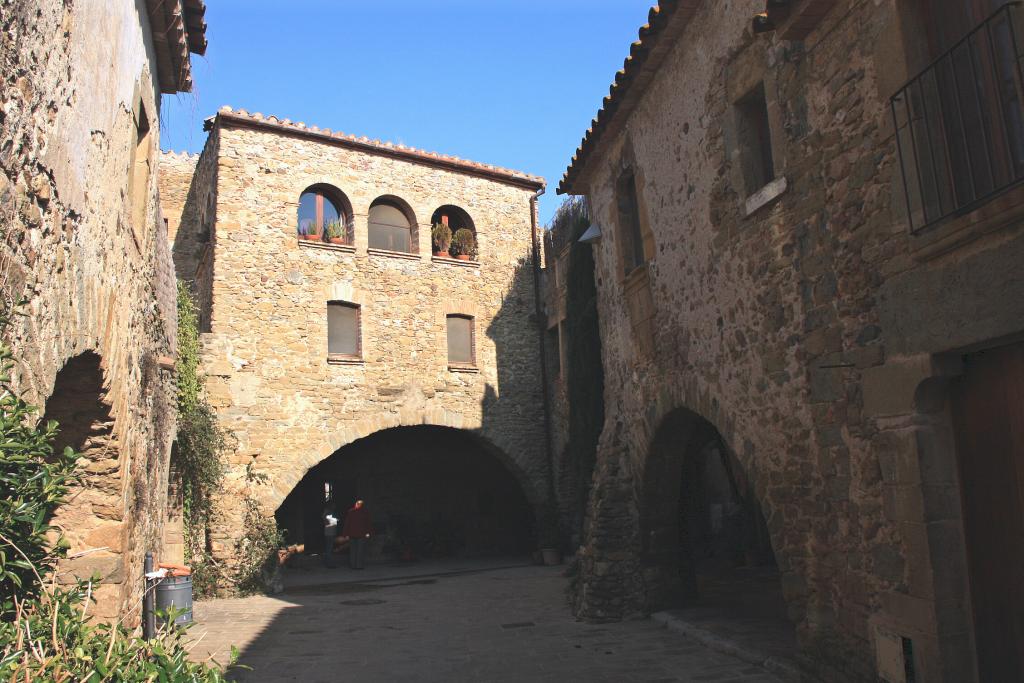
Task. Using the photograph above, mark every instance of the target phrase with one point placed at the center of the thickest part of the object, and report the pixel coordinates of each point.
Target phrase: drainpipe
(540, 339)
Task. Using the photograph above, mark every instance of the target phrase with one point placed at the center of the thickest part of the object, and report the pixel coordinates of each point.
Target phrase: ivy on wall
(198, 461)
(584, 372)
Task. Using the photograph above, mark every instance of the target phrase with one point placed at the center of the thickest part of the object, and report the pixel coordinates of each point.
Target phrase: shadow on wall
(513, 411)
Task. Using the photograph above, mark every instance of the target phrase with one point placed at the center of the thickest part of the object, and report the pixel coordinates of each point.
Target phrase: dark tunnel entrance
(432, 492)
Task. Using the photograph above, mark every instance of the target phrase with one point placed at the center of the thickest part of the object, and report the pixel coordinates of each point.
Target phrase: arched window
(456, 219)
(391, 225)
(325, 214)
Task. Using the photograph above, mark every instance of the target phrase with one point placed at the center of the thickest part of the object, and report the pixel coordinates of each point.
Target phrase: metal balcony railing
(960, 123)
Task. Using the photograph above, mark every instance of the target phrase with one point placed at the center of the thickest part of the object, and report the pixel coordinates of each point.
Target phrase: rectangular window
(631, 242)
(343, 330)
(460, 341)
(755, 140)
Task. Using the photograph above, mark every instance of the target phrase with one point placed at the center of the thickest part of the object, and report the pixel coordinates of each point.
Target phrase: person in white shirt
(330, 532)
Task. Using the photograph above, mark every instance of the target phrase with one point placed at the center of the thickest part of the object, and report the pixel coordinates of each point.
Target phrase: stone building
(355, 362)
(811, 308)
(84, 243)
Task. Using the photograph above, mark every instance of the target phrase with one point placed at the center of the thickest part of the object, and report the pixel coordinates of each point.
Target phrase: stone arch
(92, 519)
(423, 482)
(687, 453)
(286, 479)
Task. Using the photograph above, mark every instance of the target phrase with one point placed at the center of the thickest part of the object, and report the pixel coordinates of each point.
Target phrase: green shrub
(45, 632)
(464, 242)
(50, 638)
(441, 236)
(33, 481)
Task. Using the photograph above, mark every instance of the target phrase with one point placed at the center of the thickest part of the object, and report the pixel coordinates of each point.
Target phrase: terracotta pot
(315, 238)
(336, 240)
(551, 556)
(463, 257)
(442, 254)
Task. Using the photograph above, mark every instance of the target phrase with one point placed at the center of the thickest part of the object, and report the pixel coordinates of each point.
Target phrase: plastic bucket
(175, 591)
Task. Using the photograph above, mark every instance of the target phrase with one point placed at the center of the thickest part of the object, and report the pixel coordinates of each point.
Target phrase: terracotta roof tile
(240, 116)
(644, 57)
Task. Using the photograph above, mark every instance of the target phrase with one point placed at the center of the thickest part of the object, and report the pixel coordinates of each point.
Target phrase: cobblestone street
(408, 624)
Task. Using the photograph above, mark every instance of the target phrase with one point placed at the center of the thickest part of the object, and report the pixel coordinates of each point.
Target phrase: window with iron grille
(343, 333)
(960, 122)
(461, 351)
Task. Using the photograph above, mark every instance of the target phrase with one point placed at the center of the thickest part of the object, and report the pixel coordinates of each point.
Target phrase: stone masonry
(264, 295)
(84, 244)
(803, 319)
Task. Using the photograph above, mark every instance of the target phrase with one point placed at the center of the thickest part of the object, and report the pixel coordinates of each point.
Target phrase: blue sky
(507, 82)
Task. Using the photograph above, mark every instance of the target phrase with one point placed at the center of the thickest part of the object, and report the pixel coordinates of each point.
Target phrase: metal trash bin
(176, 591)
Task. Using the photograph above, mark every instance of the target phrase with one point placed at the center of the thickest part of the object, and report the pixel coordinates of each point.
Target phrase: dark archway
(705, 541)
(432, 492)
(92, 518)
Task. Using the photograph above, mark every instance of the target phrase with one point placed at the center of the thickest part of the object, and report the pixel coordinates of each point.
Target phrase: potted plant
(464, 244)
(441, 236)
(549, 536)
(336, 232)
(304, 227)
(314, 232)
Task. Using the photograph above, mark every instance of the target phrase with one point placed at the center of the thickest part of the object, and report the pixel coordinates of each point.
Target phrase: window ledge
(1002, 211)
(407, 255)
(338, 359)
(766, 195)
(455, 262)
(347, 248)
(471, 369)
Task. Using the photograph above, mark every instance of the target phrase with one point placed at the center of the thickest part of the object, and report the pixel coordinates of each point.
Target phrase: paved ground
(445, 623)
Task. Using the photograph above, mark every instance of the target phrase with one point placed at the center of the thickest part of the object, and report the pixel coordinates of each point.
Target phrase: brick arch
(286, 480)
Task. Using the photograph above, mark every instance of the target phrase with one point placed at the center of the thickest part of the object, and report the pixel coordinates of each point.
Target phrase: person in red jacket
(357, 529)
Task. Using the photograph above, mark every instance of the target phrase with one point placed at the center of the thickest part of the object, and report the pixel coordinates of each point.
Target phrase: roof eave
(461, 166)
(666, 22)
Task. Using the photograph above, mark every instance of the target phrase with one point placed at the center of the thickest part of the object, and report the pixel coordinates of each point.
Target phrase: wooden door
(988, 414)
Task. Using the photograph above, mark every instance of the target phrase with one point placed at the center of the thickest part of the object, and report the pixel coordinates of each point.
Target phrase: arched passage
(92, 517)
(432, 492)
(705, 541)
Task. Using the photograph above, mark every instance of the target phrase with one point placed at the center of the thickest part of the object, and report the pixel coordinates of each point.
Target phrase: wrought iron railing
(960, 123)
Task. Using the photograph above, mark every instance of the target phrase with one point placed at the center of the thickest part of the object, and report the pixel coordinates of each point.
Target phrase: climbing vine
(202, 442)
(584, 372)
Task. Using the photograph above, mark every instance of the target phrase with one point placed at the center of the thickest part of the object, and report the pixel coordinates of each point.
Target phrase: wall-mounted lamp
(591, 236)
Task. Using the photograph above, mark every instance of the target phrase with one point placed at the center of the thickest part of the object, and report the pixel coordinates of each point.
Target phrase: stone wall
(265, 354)
(83, 242)
(808, 330)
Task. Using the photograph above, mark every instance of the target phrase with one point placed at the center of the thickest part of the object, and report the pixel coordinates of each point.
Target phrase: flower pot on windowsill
(315, 238)
(552, 556)
(463, 257)
(442, 254)
(336, 240)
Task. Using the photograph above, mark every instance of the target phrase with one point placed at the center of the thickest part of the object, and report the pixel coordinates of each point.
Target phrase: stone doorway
(432, 492)
(706, 551)
(988, 418)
